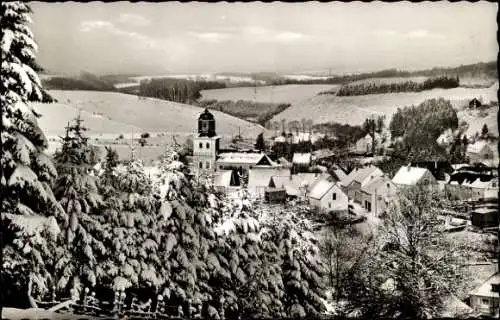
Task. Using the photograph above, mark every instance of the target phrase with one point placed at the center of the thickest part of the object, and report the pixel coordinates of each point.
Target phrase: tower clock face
(204, 126)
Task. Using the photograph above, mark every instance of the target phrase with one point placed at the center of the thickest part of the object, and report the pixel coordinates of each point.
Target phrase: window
(329, 205)
(485, 301)
(201, 165)
(201, 145)
(388, 185)
(494, 184)
(207, 164)
(426, 182)
(334, 196)
(208, 145)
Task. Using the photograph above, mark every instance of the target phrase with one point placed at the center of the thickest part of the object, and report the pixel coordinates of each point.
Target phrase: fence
(87, 304)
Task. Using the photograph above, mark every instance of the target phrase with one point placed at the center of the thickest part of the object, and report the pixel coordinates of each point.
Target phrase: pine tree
(77, 192)
(27, 172)
(129, 220)
(260, 144)
(484, 131)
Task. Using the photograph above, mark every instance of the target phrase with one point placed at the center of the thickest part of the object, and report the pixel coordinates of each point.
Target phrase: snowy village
(244, 195)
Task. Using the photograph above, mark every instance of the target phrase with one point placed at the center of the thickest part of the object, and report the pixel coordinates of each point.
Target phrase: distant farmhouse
(480, 151)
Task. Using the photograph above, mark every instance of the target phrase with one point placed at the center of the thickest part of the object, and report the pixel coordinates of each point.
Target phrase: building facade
(205, 143)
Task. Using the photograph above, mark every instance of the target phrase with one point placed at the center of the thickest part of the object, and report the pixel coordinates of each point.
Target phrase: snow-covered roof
(223, 178)
(374, 184)
(409, 175)
(301, 158)
(484, 290)
(478, 147)
(459, 165)
(280, 139)
(361, 175)
(322, 153)
(340, 174)
(320, 189)
(260, 177)
(291, 186)
(241, 157)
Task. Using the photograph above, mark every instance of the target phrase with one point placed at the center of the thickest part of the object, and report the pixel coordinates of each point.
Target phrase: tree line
(256, 112)
(176, 90)
(405, 86)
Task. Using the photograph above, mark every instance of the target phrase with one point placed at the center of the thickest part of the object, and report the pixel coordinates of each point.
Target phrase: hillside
(355, 109)
(111, 113)
(278, 94)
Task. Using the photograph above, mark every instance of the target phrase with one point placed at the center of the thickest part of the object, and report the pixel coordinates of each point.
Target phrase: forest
(257, 112)
(406, 86)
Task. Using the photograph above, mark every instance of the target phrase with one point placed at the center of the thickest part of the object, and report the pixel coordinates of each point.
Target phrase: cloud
(87, 26)
(288, 36)
(209, 36)
(268, 35)
(110, 28)
(419, 33)
(134, 19)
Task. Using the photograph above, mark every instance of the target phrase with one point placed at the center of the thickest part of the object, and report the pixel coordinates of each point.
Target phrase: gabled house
(327, 196)
(408, 176)
(364, 145)
(226, 180)
(486, 299)
(480, 151)
(377, 195)
(296, 185)
(357, 179)
(259, 178)
(243, 161)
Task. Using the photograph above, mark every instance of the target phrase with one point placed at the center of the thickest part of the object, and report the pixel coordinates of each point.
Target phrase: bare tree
(411, 268)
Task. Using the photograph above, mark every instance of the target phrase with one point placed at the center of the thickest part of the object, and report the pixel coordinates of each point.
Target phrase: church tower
(205, 143)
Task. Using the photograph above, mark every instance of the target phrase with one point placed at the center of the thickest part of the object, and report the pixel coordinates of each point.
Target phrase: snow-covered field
(116, 113)
(354, 110)
(292, 93)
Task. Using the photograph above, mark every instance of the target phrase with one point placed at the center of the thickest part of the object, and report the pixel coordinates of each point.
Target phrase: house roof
(320, 188)
(280, 139)
(477, 147)
(360, 175)
(372, 186)
(409, 175)
(291, 186)
(301, 158)
(484, 290)
(260, 177)
(340, 174)
(242, 157)
(222, 178)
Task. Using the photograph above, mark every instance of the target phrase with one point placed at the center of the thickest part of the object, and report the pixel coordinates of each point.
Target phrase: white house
(260, 177)
(486, 299)
(480, 151)
(326, 195)
(408, 176)
(377, 194)
(226, 181)
(364, 145)
(357, 179)
(245, 161)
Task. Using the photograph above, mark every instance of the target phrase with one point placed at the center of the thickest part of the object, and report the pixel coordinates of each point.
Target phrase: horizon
(197, 38)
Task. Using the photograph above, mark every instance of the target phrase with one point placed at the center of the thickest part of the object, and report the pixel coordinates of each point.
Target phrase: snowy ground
(36, 313)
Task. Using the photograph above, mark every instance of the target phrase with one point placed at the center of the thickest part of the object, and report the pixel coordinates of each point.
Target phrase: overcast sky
(123, 37)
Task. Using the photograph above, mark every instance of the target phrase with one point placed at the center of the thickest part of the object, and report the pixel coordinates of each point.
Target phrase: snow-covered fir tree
(77, 193)
(28, 203)
(132, 260)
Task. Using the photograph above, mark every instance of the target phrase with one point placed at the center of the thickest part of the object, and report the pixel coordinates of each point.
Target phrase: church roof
(206, 115)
